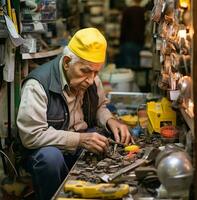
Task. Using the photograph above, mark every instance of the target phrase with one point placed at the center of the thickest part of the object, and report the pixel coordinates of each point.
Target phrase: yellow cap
(89, 44)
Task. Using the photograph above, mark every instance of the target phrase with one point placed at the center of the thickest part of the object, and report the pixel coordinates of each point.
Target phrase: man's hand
(94, 142)
(120, 131)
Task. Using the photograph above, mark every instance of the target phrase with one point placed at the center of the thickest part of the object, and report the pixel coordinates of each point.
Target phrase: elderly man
(61, 100)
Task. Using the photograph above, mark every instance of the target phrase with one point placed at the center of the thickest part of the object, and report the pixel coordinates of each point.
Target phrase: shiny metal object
(148, 155)
(175, 172)
(185, 86)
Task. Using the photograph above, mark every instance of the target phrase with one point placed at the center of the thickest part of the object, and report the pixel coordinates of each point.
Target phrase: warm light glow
(190, 108)
(191, 105)
(184, 3)
(182, 33)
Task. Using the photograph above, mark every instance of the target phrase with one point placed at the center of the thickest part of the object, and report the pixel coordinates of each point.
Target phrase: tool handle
(127, 168)
(9, 8)
(111, 141)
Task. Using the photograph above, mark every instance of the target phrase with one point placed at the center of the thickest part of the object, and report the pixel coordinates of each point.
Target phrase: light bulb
(184, 3)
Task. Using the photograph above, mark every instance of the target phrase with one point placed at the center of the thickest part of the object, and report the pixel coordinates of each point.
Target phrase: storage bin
(120, 79)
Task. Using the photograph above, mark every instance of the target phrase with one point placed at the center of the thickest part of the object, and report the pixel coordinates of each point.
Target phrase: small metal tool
(147, 156)
(115, 148)
(111, 141)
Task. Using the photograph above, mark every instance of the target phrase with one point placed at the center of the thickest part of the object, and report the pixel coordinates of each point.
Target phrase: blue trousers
(48, 167)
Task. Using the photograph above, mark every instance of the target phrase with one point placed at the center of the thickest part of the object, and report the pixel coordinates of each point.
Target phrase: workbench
(92, 168)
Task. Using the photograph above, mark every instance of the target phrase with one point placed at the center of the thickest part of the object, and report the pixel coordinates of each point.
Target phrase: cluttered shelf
(44, 54)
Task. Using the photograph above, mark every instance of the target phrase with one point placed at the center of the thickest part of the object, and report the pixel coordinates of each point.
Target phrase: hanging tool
(3, 29)
(14, 18)
(9, 9)
(11, 23)
(101, 190)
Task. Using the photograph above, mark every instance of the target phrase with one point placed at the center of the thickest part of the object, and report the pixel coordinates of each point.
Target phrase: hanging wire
(12, 165)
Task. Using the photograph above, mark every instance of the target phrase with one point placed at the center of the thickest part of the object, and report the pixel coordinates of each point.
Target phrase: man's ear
(66, 60)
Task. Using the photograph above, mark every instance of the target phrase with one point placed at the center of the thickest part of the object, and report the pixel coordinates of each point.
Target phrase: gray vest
(48, 76)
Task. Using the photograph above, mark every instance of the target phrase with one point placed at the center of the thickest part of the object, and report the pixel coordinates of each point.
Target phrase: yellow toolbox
(160, 114)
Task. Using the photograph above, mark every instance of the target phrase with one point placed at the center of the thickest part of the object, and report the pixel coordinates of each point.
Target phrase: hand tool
(133, 148)
(148, 155)
(115, 148)
(101, 190)
(14, 18)
(111, 141)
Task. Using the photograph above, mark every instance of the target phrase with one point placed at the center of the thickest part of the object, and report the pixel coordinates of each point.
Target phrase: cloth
(32, 123)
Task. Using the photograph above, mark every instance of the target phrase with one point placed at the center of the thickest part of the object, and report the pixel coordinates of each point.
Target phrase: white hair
(74, 58)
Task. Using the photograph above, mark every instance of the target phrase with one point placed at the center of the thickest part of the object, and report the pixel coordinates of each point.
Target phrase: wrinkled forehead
(92, 65)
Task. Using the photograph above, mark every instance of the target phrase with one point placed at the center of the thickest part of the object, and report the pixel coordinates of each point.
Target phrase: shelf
(188, 119)
(42, 54)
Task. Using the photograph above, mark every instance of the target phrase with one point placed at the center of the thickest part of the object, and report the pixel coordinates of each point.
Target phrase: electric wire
(15, 171)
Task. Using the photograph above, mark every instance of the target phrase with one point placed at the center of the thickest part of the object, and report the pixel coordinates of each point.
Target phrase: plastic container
(168, 131)
(120, 79)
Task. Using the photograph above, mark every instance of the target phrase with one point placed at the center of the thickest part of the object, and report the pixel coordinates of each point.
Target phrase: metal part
(115, 148)
(147, 156)
(142, 172)
(111, 141)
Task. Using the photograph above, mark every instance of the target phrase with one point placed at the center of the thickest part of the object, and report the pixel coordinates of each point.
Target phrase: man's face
(81, 74)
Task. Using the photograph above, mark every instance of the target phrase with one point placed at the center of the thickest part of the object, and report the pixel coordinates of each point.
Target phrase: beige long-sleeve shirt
(32, 118)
